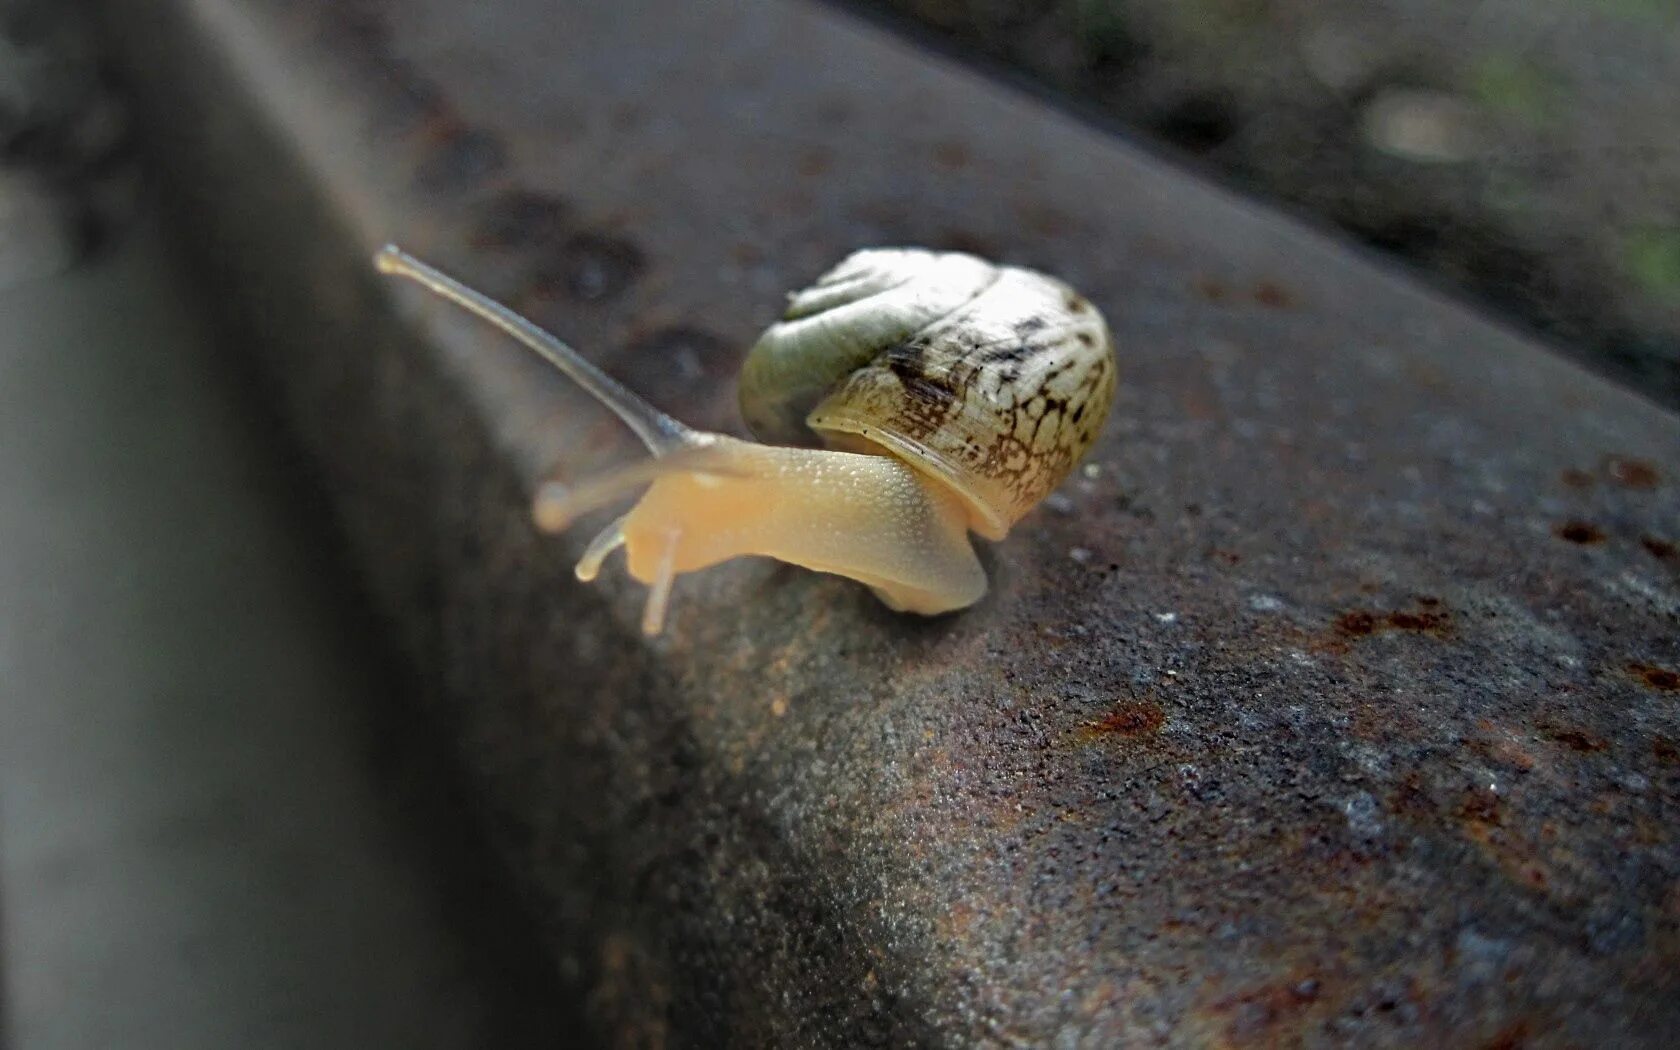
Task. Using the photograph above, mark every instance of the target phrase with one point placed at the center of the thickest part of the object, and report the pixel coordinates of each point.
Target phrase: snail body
(947, 395)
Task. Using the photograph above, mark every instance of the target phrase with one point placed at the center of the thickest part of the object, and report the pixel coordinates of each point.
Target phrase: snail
(948, 395)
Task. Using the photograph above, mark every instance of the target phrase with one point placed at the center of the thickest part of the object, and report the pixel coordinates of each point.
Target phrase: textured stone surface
(1335, 700)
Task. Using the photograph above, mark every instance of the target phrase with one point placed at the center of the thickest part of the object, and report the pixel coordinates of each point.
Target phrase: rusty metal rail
(1335, 701)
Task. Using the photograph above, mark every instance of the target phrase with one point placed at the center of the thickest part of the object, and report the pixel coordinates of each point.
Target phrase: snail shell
(993, 379)
(952, 395)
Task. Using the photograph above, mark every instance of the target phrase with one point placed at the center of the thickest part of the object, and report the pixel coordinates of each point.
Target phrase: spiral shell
(992, 379)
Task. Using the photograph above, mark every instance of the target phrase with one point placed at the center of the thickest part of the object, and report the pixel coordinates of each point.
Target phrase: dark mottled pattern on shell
(1000, 398)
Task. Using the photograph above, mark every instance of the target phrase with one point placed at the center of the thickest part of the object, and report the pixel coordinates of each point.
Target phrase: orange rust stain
(1411, 799)
(1209, 289)
(1631, 473)
(1258, 1015)
(1660, 548)
(1132, 719)
(1430, 618)
(1274, 295)
(1513, 1036)
(1481, 808)
(1500, 745)
(1575, 739)
(1665, 750)
(1576, 478)
(1356, 623)
(957, 920)
(1579, 532)
(1481, 814)
(1656, 677)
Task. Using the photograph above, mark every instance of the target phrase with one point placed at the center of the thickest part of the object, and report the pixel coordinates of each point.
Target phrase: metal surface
(1335, 701)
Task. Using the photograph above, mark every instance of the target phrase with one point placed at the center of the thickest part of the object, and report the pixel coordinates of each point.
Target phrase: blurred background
(1524, 153)
(163, 591)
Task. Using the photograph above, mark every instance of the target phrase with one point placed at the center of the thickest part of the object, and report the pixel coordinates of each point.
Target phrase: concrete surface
(1335, 703)
(202, 844)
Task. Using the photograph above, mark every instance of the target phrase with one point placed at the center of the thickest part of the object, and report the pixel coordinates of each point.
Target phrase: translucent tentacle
(658, 431)
(659, 592)
(605, 542)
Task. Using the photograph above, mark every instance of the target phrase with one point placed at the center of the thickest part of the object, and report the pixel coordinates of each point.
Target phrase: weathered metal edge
(438, 473)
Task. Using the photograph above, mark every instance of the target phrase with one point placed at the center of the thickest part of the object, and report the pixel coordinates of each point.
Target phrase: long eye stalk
(658, 431)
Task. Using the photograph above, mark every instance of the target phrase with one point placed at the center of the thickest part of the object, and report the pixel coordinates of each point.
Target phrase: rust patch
(1133, 719)
(1665, 750)
(1481, 814)
(1257, 1015)
(1660, 549)
(1579, 532)
(1429, 618)
(591, 267)
(1356, 624)
(1513, 1036)
(1577, 478)
(1209, 289)
(1656, 677)
(1631, 473)
(521, 218)
(1501, 746)
(1411, 799)
(1482, 808)
(1575, 739)
(1274, 295)
(1417, 621)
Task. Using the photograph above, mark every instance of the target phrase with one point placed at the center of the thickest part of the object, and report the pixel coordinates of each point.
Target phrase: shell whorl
(994, 379)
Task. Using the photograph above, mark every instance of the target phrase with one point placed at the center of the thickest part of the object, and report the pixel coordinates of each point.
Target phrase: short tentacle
(659, 591)
(605, 542)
